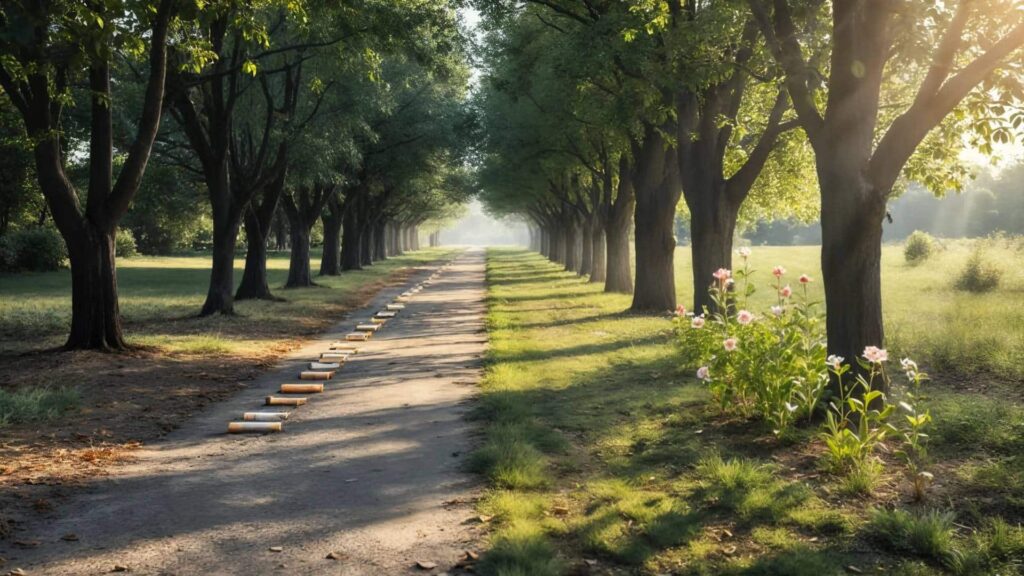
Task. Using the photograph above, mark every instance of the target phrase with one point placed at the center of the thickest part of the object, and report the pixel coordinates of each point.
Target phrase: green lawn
(603, 456)
(161, 296)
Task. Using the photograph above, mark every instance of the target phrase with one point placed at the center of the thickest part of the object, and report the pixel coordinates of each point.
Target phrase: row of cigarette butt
(323, 368)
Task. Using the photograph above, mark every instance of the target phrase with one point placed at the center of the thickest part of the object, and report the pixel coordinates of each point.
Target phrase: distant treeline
(989, 204)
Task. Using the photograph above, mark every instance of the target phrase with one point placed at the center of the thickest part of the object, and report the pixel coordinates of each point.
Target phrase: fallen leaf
(729, 550)
(17, 572)
(119, 568)
(590, 561)
(26, 543)
(70, 537)
(726, 532)
(335, 556)
(484, 518)
(276, 549)
(853, 569)
(470, 555)
(426, 565)
(560, 510)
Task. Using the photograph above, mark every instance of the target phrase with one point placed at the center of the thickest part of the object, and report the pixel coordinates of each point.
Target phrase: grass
(36, 404)
(161, 296)
(605, 458)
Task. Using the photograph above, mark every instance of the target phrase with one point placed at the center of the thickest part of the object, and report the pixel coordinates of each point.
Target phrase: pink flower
(730, 344)
(778, 271)
(777, 310)
(722, 275)
(786, 291)
(680, 310)
(744, 252)
(744, 317)
(805, 279)
(875, 355)
(704, 373)
(698, 322)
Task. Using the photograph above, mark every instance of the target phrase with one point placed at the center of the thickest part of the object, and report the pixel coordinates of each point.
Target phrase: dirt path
(371, 469)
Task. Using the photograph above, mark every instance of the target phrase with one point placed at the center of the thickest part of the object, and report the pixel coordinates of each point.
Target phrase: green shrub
(918, 247)
(33, 250)
(124, 243)
(979, 275)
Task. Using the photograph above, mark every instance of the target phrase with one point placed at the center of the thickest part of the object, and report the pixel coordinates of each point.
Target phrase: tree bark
(380, 249)
(351, 236)
(366, 244)
(299, 275)
(330, 260)
(599, 270)
(851, 253)
(219, 296)
(712, 225)
(254, 285)
(657, 193)
(586, 249)
(95, 313)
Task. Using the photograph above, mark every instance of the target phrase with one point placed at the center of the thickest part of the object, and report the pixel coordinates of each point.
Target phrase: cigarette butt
(265, 416)
(316, 375)
(302, 388)
(367, 327)
(278, 401)
(239, 427)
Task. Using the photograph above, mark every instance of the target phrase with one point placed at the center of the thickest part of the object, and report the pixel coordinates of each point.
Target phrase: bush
(33, 250)
(124, 243)
(918, 247)
(979, 275)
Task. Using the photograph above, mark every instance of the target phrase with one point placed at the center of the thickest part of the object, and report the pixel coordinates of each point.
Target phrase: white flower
(744, 252)
(777, 310)
(704, 373)
(791, 407)
(908, 365)
(834, 361)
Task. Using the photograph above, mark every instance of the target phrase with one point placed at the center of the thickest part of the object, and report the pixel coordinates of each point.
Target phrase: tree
(46, 48)
(952, 59)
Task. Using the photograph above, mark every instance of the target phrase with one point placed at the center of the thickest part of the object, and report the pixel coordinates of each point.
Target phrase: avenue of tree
(594, 109)
(349, 113)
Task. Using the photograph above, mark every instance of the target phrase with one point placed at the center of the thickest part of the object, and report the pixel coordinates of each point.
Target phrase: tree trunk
(351, 234)
(95, 314)
(586, 249)
(330, 260)
(599, 270)
(254, 284)
(657, 192)
(620, 275)
(712, 225)
(219, 297)
(380, 248)
(366, 245)
(851, 253)
(299, 275)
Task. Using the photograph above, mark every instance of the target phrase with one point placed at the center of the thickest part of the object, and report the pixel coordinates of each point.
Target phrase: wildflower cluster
(769, 365)
(774, 366)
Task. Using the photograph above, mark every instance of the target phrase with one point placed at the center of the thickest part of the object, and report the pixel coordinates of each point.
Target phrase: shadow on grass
(617, 419)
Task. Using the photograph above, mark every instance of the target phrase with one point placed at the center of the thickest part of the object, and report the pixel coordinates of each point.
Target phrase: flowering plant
(769, 365)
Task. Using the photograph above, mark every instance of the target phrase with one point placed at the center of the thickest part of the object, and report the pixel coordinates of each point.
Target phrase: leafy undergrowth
(605, 459)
